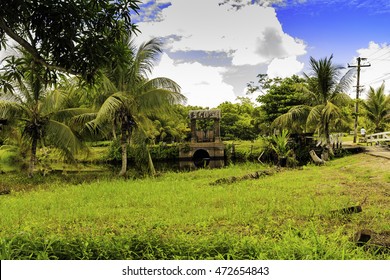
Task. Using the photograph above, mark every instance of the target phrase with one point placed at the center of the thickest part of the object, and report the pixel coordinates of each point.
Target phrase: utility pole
(358, 66)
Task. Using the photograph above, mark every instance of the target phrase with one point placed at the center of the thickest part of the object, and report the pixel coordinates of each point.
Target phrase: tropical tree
(377, 108)
(134, 97)
(325, 96)
(77, 37)
(281, 95)
(238, 119)
(40, 112)
(169, 128)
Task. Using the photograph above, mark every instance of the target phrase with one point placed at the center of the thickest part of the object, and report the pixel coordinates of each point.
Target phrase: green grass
(181, 216)
(8, 156)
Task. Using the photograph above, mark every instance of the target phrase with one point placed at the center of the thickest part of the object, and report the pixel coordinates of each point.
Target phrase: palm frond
(82, 118)
(111, 106)
(142, 122)
(63, 137)
(327, 78)
(160, 83)
(70, 113)
(105, 84)
(315, 114)
(145, 57)
(10, 109)
(329, 111)
(297, 114)
(53, 101)
(344, 84)
(377, 106)
(279, 143)
(159, 100)
(341, 99)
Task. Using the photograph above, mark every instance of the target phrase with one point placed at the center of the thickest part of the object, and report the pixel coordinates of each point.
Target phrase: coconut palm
(377, 106)
(40, 112)
(134, 97)
(325, 94)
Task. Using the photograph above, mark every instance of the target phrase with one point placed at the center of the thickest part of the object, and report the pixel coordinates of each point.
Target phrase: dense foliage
(281, 96)
(377, 108)
(325, 94)
(41, 114)
(77, 36)
(239, 120)
(92, 40)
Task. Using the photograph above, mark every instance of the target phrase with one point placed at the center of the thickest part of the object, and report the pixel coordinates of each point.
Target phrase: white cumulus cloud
(284, 67)
(249, 37)
(378, 56)
(202, 85)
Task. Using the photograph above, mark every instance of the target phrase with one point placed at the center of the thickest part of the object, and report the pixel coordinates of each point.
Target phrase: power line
(371, 56)
(388, 52)
(387, 76)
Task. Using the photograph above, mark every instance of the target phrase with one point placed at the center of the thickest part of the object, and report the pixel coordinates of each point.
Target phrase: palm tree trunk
(125, 131)
(124, 140)
(33, 157)
(328, 144)
(114, 130)
(327, 134)
(151, 165)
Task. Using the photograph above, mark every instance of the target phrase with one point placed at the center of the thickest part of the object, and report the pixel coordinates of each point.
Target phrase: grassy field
(287, 215)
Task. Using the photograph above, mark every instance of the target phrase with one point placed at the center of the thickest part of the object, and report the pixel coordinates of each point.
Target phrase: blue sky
(346, 29)
(213, 48)
(338, 27)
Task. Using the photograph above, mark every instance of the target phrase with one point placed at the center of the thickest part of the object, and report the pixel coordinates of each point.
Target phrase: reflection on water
(206, 162)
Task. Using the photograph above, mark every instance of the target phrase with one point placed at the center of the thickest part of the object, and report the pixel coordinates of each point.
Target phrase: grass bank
(287, 215)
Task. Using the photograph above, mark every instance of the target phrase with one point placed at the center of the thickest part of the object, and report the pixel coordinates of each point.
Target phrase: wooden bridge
(378, 138)
(382, 144)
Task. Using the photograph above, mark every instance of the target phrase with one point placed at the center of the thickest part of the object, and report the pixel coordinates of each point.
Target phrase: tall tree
(76, 36)
(325, 95)
(134, 97)
(377, 106)
(281, 95)
(40, 112)
(237, 119)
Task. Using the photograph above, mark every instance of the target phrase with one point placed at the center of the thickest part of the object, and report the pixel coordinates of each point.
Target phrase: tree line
(78, 76)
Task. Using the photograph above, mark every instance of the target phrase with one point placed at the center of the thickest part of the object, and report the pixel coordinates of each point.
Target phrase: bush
(164, 152)
(160, 152)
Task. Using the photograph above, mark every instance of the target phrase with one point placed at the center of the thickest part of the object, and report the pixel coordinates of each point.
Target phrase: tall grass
(181, 216)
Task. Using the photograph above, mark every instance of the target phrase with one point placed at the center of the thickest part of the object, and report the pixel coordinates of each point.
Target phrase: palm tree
(40, 112)
(280, 144)
(134, 98)
(325, 94)
(377, 106)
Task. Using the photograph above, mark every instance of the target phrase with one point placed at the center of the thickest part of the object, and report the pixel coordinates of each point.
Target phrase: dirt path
(377, 151)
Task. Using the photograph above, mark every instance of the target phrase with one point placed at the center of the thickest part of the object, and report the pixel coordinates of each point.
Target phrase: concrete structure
(206, 147)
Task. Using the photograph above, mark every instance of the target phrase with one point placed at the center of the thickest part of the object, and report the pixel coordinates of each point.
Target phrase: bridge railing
(378, 137)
